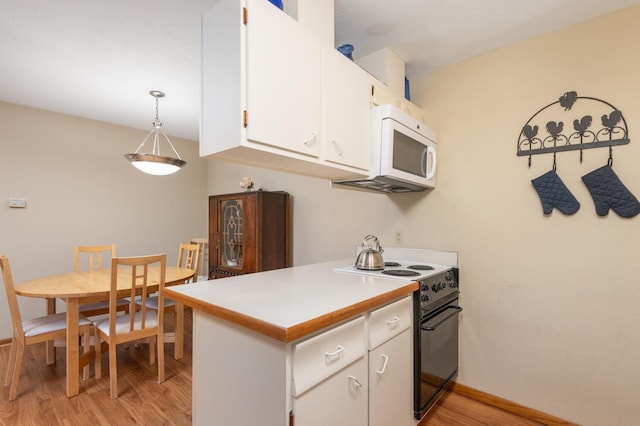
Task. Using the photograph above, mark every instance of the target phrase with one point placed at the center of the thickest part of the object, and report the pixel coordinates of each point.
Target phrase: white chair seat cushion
(102, 305)
(152, 302)
(122, 322)
(49, 323)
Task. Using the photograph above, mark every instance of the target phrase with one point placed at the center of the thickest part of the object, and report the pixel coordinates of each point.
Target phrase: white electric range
(435, 311)
(408, 263)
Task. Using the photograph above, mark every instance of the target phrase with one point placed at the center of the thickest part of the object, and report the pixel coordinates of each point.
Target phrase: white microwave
(402, 153)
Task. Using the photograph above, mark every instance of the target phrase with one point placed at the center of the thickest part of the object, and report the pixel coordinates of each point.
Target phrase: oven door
(438, 355)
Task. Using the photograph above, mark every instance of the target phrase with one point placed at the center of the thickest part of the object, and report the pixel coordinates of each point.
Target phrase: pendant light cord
(157, 127)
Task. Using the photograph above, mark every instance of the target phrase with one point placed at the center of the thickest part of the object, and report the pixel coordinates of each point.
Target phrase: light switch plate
(17, 203)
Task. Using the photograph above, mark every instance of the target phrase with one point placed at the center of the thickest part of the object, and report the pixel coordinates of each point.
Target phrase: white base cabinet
(390, 382)
(391, 365)
(339, 400)
(329, 377)
(357, 373)
(240, 377)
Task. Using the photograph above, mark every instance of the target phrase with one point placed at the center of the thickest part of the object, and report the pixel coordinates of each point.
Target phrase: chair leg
(11, 364)
(152, 349)
(86, 348)
(97, 347)
(178, 347)
(17, 364)
(113, 371)
(160, 347)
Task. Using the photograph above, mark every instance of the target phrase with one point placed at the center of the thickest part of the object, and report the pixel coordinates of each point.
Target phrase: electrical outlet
(398, 237)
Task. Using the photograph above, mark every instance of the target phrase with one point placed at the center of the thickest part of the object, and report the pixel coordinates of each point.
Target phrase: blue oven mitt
(554, 193)
(608, 191)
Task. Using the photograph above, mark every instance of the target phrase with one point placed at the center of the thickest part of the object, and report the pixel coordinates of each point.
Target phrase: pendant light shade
(154, 163)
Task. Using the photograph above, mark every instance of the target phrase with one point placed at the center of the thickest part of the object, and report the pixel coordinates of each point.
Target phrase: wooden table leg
(73, 348)
(50, 348)
(178, 348)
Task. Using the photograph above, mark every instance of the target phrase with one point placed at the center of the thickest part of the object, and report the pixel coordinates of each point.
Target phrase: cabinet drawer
(389, 321)
(321, 356)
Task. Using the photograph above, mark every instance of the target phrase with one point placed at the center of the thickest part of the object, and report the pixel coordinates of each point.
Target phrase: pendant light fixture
(154, 163)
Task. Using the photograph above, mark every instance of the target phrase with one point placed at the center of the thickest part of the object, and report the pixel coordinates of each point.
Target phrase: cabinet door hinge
(245, 16)
(245, 118)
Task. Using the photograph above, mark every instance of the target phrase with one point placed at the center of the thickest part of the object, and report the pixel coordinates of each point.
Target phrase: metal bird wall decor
(579, 110)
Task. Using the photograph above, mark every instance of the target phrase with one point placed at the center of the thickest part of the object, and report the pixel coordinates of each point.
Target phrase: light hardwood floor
(141, 400)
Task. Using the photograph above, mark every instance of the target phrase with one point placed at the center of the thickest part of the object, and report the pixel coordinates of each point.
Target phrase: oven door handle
(456, 311)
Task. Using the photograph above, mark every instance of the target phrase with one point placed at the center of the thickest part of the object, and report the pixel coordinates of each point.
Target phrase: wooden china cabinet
(248, 232)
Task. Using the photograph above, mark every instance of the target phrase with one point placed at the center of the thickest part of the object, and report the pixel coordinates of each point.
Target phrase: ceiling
(98, 59)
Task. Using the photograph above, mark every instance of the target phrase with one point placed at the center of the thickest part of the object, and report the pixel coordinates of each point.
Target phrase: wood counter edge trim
(297, 331)
(511, 407)
(306, 328)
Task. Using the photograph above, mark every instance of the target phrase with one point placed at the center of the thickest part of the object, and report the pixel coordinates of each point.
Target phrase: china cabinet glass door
(231, 230)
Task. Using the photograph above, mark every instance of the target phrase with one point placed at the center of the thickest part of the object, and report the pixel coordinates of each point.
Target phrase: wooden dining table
(77, 288)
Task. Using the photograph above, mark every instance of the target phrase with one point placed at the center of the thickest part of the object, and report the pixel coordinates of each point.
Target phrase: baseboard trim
(506, 405)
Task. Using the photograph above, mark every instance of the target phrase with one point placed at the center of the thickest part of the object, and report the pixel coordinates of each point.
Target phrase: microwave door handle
(431, 173)
(425, 161)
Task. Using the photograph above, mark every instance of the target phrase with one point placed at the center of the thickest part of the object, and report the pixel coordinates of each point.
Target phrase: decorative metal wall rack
(579, 110)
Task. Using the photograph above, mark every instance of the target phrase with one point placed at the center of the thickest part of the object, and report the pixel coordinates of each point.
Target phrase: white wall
(80, 190)
(550, 303)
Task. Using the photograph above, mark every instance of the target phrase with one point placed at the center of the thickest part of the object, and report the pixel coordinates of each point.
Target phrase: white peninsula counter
(246, 330)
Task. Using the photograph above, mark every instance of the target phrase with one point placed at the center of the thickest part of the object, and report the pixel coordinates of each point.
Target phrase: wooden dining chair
(36, 330)
(202, 257)
(95, 255)
(188, 257)
(138, 323)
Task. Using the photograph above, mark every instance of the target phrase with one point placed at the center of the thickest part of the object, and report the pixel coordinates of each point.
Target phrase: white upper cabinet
(264, 91)
(284, 80)
(346, 111)
(261, 80)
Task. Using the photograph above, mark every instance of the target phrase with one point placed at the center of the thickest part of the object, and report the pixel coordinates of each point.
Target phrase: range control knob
(424, 297)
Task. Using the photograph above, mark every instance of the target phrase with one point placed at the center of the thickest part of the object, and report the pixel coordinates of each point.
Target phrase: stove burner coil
(391, 264)
(421, 267)
(400, 272)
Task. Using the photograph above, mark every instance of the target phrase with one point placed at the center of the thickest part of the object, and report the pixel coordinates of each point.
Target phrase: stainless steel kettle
(370, 257)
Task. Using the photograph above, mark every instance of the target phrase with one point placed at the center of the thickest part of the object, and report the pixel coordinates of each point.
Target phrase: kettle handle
(377, 242)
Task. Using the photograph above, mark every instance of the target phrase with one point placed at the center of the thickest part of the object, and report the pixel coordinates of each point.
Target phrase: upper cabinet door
(346, 110)
(283, 75)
